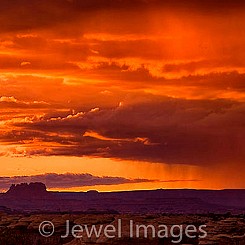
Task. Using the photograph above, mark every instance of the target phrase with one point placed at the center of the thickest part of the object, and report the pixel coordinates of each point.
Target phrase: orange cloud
(152, 81)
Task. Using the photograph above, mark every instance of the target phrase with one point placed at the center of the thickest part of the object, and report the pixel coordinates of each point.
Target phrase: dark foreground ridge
(25, 206)
(34, 197)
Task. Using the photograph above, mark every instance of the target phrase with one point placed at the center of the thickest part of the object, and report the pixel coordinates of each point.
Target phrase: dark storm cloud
(69, 180)
(19, 15)
(142, 77)
(156, 130)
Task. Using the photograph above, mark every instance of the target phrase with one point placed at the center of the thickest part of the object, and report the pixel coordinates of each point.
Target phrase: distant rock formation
(24, 190)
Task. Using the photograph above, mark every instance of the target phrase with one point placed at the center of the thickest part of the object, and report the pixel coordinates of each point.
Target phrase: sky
(122, 94)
